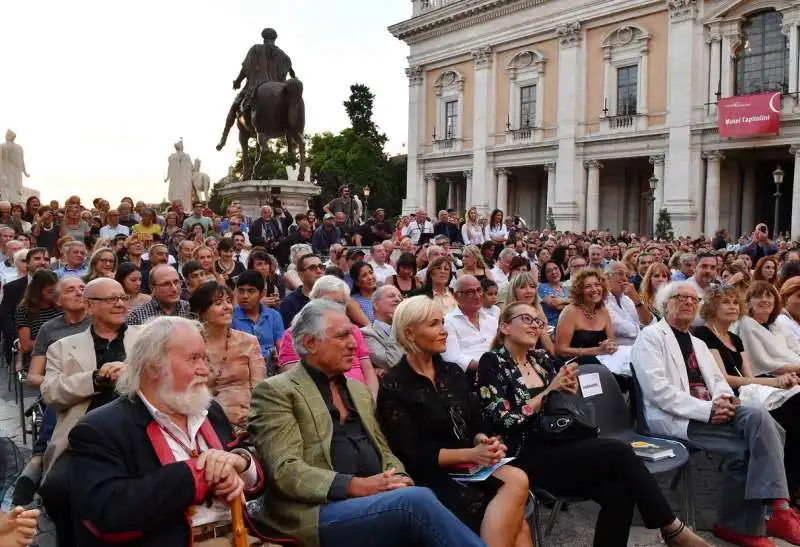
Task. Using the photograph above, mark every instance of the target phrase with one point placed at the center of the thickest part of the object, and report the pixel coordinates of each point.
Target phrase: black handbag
(566, 418)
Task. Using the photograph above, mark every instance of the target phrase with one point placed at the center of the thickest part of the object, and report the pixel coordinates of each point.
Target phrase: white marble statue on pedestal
(12, 167)
(200, 183)
(179, 175)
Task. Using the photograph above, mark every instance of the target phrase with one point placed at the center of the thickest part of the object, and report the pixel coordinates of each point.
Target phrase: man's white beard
(191, 402)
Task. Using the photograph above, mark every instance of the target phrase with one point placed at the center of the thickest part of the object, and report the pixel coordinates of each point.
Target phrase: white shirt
(414, 230)
(624, 319)
(501, 278)
(170, 259)
(382, 272)
(109, 232)
(472, 236)
(465, 343)
(496, 232)
(202, 514)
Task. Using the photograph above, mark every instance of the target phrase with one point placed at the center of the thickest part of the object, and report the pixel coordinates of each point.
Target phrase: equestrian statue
(269, 106)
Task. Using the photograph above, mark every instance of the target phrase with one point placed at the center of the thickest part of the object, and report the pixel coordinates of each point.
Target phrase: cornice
(457, 16)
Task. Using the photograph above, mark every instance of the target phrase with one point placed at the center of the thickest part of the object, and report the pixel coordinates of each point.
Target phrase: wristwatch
(244, 454)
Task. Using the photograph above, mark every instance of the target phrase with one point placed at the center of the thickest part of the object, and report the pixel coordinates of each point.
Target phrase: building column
(551, 185)
(731, 37)
(568, 203)
(658, 171)
(468, 202)
(791, 18)
(481, 187)
(459, 189)
(415, 183)
(748, 200)
(795, 151)
(682, 166)
(713, 166)
(714, 39)
(502, 189)
(430, 195)
(593, 195)
(451, 193)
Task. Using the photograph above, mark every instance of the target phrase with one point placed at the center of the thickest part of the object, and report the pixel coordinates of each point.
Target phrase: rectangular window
(450, 119)
(527, 106)
(627, 89)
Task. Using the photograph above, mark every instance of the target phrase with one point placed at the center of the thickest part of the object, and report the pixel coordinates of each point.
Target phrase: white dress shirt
(414, 230)
(382, 272)
(465, 342)
(201, 514)
(111, 232)
(624, 319)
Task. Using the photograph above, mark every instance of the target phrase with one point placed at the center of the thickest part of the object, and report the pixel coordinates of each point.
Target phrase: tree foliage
(273, 164)
(359, 110)
(664, 230)
(216, 202)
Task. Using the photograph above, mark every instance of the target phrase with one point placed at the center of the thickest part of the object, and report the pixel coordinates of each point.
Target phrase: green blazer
(291, 428)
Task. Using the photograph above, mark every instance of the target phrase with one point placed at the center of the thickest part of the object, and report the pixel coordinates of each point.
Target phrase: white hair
(298, 250)
(431, 249)
(329, 284)
(310, 322)
(508, 252)
(19, 257)
(410, 313)
(381, 292)
(668, 291)
(150, 350)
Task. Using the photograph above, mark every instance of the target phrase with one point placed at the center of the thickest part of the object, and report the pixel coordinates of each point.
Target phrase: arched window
(762, 62)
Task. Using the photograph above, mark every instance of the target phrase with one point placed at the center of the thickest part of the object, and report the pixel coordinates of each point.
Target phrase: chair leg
(551, 522)
(536, 523)
(688, 493)
(676, 480)
(21, 405)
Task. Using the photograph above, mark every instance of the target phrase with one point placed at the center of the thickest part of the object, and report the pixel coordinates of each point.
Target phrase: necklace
(191, 451)
(224, 360)
(590, 315)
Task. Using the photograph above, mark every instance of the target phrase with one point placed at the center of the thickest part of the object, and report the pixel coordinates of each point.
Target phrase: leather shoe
(784, 524)
(741, 539)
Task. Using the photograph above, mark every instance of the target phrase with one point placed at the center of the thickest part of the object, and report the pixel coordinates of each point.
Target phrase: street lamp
(651, 207)
(777, 176)
(366, 191)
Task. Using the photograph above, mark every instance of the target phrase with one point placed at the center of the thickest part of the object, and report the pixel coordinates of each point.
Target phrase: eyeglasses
(106, 260)
(314, 267)
(175, 283)
(471, 292)
(685, 298)
(111, 299)
(527, 319)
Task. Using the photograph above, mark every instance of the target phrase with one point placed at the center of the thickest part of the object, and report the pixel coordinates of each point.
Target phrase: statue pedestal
(254, 194)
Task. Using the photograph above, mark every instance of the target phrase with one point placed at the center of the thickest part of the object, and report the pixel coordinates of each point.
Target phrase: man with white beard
(156, 466)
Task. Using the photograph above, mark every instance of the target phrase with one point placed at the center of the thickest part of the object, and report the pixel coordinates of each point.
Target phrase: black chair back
(637, 399)
(609, 409)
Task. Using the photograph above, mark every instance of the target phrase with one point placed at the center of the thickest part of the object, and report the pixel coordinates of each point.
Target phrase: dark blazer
(12, 296)
(125, 485)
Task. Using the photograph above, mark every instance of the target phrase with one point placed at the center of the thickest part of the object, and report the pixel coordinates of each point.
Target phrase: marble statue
(200, 183)
(179, 175)
(12, 167)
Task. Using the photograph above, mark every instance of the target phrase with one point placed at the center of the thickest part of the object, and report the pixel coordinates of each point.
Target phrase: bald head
(467, 282)
(101, 287)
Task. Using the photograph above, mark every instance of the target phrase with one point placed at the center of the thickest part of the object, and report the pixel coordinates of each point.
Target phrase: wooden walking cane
(239, 537)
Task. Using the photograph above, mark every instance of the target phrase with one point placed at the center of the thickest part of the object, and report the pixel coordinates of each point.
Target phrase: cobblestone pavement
(573, 527)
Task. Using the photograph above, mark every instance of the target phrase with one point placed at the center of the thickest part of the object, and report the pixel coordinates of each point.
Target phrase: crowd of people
(348, 373)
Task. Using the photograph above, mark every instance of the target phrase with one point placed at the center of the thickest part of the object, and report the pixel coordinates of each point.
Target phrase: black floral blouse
(504, 396)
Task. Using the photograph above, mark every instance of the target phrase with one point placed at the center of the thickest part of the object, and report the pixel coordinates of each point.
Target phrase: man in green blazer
(332, 479)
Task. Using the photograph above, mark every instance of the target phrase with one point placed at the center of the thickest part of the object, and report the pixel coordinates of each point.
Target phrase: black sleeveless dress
(587, 339)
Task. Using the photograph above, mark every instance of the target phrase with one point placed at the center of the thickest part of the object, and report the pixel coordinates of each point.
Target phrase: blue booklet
(484, 473)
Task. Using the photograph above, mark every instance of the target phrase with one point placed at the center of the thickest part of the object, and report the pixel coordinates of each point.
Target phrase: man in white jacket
(686, 396)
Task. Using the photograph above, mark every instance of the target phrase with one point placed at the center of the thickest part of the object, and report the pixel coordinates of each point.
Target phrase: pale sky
(98, 91)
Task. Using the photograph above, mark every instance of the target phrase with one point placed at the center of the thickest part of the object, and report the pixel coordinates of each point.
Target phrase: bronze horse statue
(276, 109)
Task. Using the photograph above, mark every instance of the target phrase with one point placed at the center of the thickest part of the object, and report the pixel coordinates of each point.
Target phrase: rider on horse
(264, 63)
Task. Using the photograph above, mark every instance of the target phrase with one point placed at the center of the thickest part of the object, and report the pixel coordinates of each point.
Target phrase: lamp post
(777, 176)
(651, 200)
(366, 191)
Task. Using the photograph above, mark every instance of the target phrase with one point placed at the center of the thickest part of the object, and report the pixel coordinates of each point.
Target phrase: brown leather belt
(212, 530)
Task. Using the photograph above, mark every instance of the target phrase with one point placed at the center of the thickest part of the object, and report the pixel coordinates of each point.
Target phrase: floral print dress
(504, 396)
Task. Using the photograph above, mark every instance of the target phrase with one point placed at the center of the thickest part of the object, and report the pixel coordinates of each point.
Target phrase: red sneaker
(741, 539)
(784, 524)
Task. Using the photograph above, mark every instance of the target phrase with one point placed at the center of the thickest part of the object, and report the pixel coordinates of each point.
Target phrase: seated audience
(767, 269)
(721, 308)
(361, 490)
(656, 277)
(789, 319)
(438, 277)
(334, 289)
(553, 295)
(252, 316)
(470, 328)
(195, 276)
(489, 300)
(624, 305)
(155, 467)
(406, 279)
(523, 288)
(102, 264)
(379, 261)
(234, 360)
(309, 269)
(359, 308)
(433, 424)
(37, 307)
(514, 380)
(584, 328)
(384, 350)
(771, 348)
(474, 264)
(686, 396)
(166, 291)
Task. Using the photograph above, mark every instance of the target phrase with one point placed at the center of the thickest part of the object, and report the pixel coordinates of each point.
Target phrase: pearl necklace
(590, 315)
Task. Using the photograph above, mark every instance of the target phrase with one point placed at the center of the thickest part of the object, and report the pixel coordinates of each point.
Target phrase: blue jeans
(49, 420)
(406, 517)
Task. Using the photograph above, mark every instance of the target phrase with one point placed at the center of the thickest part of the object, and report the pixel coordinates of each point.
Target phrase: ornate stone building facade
(574, 105)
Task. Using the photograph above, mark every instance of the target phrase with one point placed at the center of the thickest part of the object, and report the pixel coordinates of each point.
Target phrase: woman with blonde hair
(524, 288)
(206, 256)
(584, 329)
(102, 264)
(656, 277)
(738, 275)
(474, 264)
(433, 424)
(629, 259)
(472, 232)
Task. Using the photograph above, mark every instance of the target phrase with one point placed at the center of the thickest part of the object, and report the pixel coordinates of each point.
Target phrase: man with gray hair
(502, 269)
(624, 305)
(76, 256)
(384, 350)
(325, 485)
(470, 327)
(686, 396)
(686, 266)
(160, 455)
(81, 371)
(165, 286)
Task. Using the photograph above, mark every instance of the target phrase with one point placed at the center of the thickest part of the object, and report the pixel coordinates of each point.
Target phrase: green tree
(664, 230)
(359, 110)
(217, 203)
